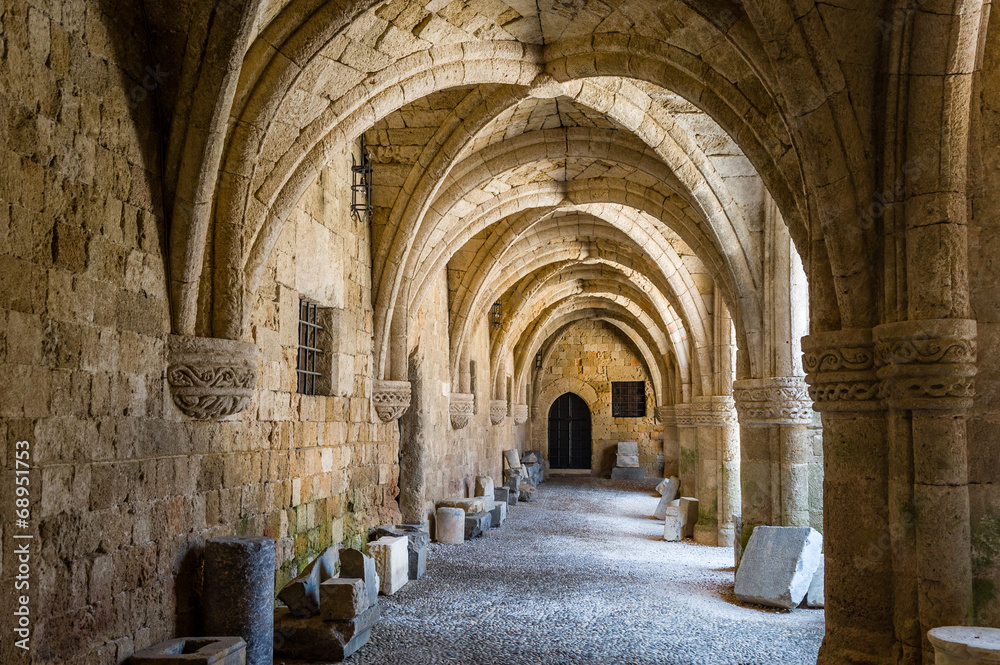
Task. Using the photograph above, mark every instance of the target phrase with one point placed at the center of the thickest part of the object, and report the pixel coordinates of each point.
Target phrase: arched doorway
(569, 433)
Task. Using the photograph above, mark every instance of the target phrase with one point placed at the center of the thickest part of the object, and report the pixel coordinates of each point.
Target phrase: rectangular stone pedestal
(478, 524)
(502, 494)
(391, 563)
(355, 563)
(625, 473)
(342, 599)
(498, 515)
(324, 641)
(418, 537)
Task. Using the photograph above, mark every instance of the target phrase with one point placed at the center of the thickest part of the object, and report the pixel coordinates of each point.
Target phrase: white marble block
(628, 447)
(673, 522)
(450, 525)
(391, 562)
(668, 493)
(778, 565)
(689, 508)
(484, 488)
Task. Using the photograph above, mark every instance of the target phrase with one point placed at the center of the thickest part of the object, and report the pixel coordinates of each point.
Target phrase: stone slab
(342, 598)
(816, 595)
(778, 565)
(670, 491)
(689, 508)
(419, 538)
(194, 651)
(355, 563)
(313, 639)
(502, 494)
(391, 563)
(471, 506)
(628, 474)
(528, 494)
(449, 525)
(627, 461)
(669, 486)
(498, 515)
(478, 524)
(512, 458)
(485, 488)
(238, 593)
(301, 595)
(673, 524)
(628, 447)
(529, 458)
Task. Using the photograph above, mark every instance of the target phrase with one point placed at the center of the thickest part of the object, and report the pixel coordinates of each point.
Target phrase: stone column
(671, 440)
(840, 371)
(687, 440)
(718, 468)
(776, 445)
(238, 594)
(927, 370)
(413, 438)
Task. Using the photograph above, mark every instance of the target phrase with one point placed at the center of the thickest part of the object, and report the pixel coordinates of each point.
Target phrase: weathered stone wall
(594, 354)
(452, 458)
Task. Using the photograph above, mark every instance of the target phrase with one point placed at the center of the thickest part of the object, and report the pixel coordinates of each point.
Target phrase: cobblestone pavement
(584, 576)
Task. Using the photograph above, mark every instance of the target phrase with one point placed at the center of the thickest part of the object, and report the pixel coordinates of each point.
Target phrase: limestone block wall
(453, 457)
(588, 356)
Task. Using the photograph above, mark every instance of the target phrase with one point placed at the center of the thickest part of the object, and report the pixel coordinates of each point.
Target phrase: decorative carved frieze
(778, 400)
(928, 364)
(713, 411)
(666, 415)
(520, 413)
(682, 412)
(391, 399)
(461, 407)
(840, 370)
(210, 378)
(498, 411)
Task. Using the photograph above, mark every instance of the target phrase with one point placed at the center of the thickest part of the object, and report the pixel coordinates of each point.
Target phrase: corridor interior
(295, 269)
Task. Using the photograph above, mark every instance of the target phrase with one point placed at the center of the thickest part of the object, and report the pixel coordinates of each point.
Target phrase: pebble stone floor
(583, 575)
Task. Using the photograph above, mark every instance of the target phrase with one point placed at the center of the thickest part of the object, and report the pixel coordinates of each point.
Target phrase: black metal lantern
(496, 314)
(361, 185)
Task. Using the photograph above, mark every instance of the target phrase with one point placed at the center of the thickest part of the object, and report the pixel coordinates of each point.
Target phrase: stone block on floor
(512, 458)
(342, 598)
(471, 506)
(485, 488)
(449, 525)
(391, 562)
(965, 645)
(498, 515)
(314, 639)
(478, 524)
(778, 565)
(669, 486)
(673, 522)
(627, 461)
(301, 595)
(670, 491)
(620, 473)
(194, 651)
(816, 595)
(628, 447)
(502, 494)
(527, 494)
(419, 538)
(355, 563)
(689, 508)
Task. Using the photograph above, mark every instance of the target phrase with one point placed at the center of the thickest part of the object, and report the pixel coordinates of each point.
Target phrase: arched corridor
(292, 270)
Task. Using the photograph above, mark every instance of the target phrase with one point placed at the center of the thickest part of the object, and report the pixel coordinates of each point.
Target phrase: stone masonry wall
(595, 353)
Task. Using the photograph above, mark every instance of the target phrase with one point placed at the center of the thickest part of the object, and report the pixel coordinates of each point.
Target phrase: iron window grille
(628, 399)
(361, 185)
(309, 350)
(496, 314)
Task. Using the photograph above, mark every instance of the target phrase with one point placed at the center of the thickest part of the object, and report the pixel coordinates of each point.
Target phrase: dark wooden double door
(569, 433)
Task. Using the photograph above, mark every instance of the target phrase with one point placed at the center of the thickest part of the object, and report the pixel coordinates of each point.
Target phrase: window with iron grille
(308, 370)
(628, 399)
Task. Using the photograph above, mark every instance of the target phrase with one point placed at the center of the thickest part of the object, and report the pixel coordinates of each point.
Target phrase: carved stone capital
(713, 411)
(498, 411)
(776, 400)
(210, 378)
(666, 415)
(520, 413)
(840, 370)
(461, 407)
(928, 364)
(682, 412)
(391, 399)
